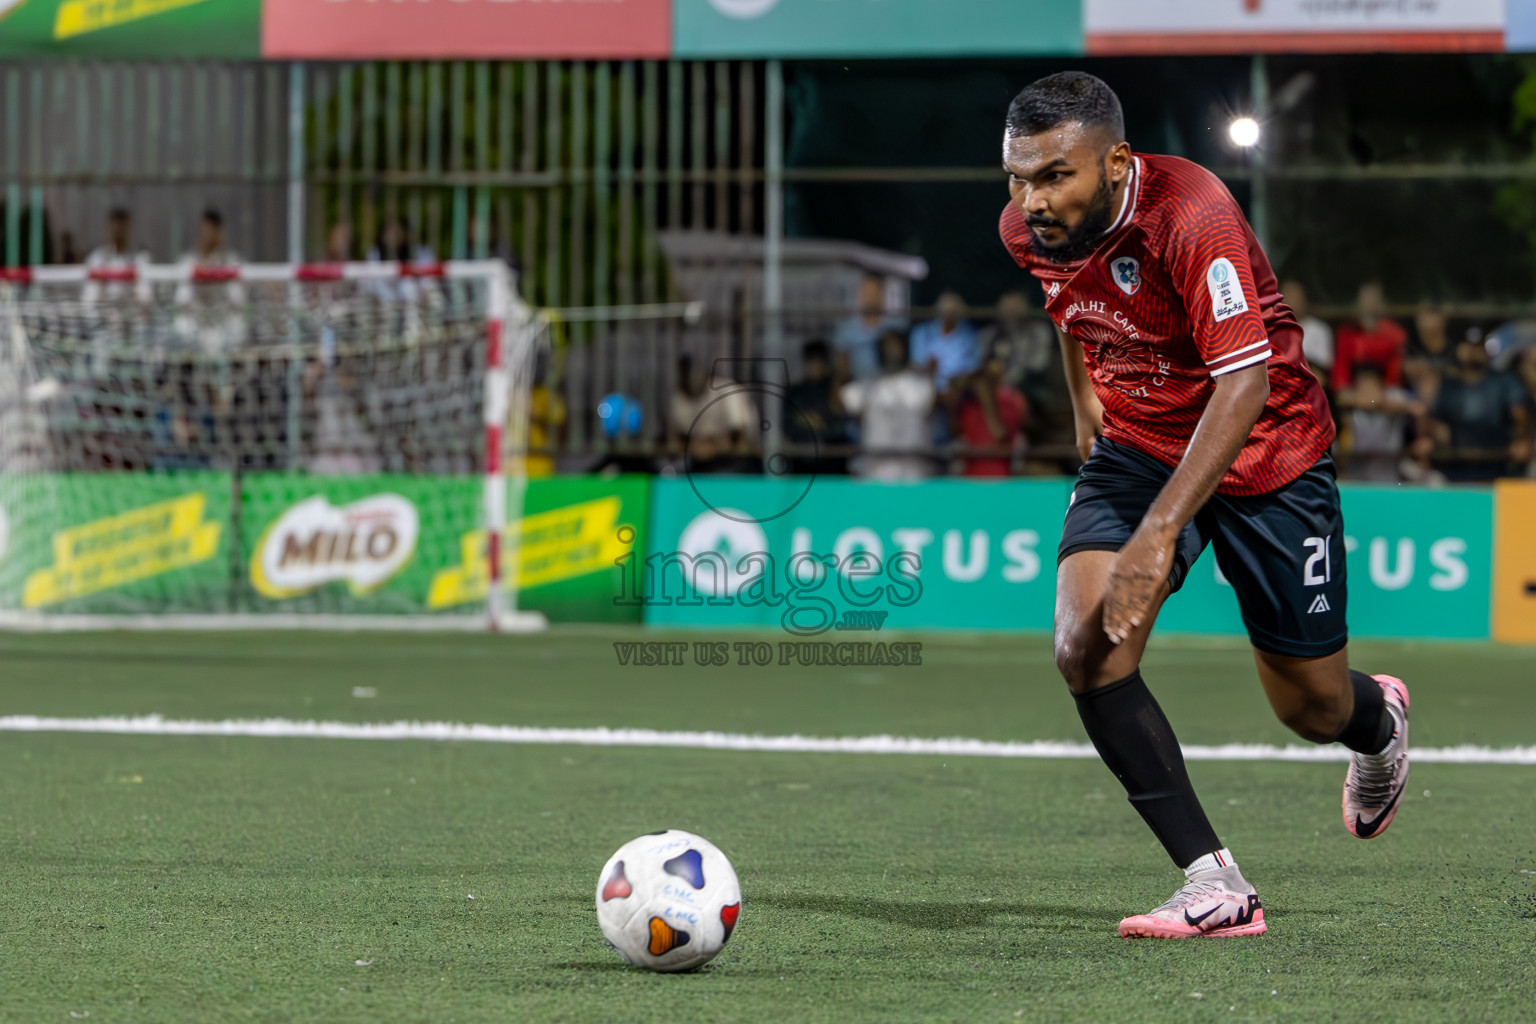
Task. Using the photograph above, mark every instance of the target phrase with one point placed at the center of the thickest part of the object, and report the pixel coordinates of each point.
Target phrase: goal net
(263, 445)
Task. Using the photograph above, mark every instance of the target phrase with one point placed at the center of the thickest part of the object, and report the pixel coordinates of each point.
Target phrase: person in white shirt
(116, 253)
(895, 409)
(1316, 336)
(208, 313)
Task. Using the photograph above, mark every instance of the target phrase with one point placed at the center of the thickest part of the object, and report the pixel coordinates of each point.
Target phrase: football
(668, 901)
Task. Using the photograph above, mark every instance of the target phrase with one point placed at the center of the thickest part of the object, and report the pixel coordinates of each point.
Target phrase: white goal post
(264, 445)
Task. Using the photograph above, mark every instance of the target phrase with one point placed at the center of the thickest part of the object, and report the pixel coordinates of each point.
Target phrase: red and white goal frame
(513, 333)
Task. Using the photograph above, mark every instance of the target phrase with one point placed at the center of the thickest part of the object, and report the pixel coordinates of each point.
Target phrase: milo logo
(314, 543)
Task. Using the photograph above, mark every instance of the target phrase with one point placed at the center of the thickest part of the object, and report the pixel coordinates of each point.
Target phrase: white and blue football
(668, 901)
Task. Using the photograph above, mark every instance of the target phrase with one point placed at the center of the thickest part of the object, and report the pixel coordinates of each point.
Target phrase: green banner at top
(131, 29)
(875, 28)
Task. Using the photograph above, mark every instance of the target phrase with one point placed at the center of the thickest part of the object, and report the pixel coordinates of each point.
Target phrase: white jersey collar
(1128, 201)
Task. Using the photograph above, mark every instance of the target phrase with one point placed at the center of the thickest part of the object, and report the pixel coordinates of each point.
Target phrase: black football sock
(1133, 736)
(1369, 728)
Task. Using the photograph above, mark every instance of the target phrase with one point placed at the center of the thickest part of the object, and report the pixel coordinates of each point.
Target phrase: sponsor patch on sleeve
(1227, 299)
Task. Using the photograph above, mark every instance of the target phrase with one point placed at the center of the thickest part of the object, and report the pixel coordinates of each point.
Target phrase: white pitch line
(283, 728)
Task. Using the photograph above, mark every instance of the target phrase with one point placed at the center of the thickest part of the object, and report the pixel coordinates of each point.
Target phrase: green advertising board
(875, 28)
(150, 544)
(120, 543)
(382, 545)
(1419, 561)
(131, 29)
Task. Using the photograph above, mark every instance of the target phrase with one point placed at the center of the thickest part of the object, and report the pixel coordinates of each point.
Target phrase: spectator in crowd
(710, 424)
(338, 243)
(947, 346)
(1034, 361)
(1482, 415)
(1373, 337)
(1430, 352)
(394, 244)
(117, 253)
(990, 414)
(857, 338)
(895, 408)
(1316, 336)
(1525, 369)
(1377, 418)
(212, 250)
(814, 417)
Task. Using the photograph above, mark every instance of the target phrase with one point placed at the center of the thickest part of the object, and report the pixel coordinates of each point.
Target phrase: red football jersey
(1178, 294)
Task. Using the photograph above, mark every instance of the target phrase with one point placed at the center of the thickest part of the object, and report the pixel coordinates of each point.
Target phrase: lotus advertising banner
(503, 29)
(1298, 26)
(131, 29)
(834, 555)
(876, 28)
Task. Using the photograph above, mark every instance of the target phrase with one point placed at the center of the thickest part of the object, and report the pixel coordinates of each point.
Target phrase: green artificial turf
(196, 879)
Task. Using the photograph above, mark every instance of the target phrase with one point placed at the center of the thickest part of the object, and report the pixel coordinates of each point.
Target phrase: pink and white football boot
(1375, 782)
(1213, 905)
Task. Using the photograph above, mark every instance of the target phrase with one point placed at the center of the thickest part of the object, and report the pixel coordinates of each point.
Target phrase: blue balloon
(620, 415)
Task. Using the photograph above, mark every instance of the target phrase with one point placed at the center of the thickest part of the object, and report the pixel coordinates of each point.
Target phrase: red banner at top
(445, 29)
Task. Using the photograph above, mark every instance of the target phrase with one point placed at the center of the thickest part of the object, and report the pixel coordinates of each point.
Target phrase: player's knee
(1072, 660)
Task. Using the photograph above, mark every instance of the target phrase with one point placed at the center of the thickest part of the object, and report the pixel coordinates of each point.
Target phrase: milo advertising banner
(414, 545)
(143, 29)
(115, 543)
(834, 555)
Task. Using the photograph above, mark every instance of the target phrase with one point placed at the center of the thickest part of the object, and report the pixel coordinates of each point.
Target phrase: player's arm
(1087, 411)
(1144, 563)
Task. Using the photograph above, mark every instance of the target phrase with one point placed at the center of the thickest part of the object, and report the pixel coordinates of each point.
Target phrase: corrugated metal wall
(568, 168)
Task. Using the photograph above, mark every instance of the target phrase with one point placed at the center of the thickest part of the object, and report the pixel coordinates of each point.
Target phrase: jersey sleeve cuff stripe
(1238, 352)
(1256, 358)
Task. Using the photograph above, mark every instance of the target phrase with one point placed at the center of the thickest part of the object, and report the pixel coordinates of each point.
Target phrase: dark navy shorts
(1283, 552)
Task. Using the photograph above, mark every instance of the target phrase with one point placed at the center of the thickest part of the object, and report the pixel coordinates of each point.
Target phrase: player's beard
(1083, 239)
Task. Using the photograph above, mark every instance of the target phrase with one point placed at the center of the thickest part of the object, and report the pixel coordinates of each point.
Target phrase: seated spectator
(814, 416)
(213, 323)
(1482, 416)
(947, 346)
(710, 424)
(1316, 336)
(1526, 371)
(857, 338)
(117, 253)
(1377, 420)
(1373, 337)
(895, 408)
(394, 245)
(1430, 351)
(1034, 362)
(990, 414)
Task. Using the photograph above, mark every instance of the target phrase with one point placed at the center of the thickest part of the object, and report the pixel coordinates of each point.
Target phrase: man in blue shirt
(949, 346)
(858, 338)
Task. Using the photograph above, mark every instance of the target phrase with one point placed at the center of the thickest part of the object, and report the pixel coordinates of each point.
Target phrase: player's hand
(1135, 582)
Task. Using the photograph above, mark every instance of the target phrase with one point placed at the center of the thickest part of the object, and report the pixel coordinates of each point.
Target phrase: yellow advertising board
(1514, 562)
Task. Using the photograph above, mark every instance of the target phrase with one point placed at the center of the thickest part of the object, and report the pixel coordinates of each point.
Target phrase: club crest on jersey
(1127, 274)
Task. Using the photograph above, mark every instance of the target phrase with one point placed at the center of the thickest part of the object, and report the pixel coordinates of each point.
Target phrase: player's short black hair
(213, 217)
(816, 348)
(1072, 97)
